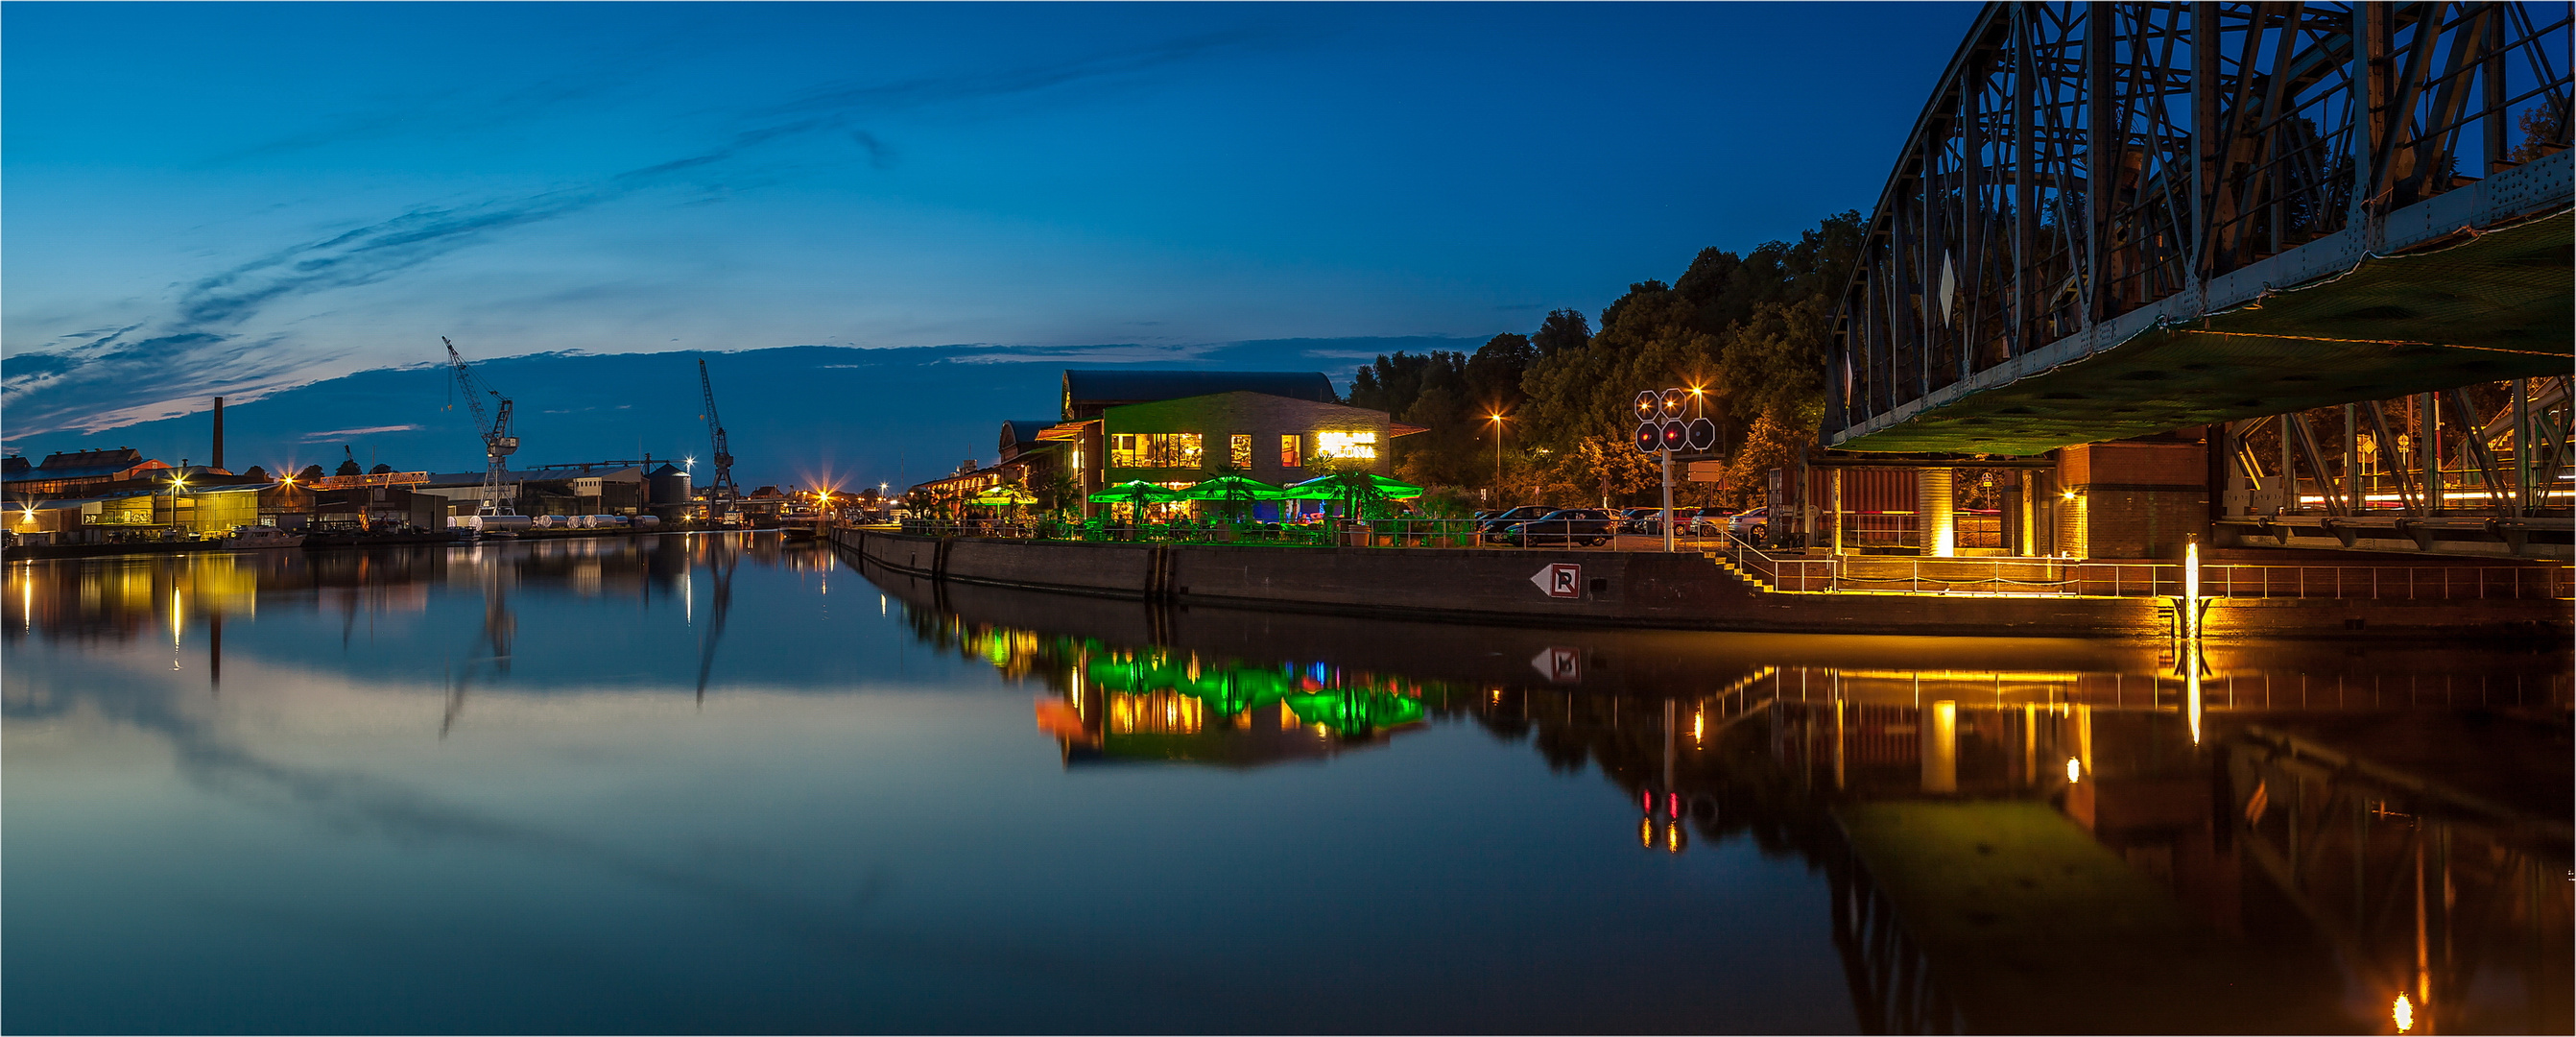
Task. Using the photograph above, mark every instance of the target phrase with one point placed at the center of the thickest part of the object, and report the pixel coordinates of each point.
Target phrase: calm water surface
(725, 783)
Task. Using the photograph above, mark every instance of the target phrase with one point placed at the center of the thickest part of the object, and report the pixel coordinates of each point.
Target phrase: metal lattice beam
(2089, 180)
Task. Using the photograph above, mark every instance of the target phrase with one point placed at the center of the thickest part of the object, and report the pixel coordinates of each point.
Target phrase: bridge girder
(2003, 304)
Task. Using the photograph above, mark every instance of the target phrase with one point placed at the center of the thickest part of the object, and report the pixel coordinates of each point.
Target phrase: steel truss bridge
(2115, 220)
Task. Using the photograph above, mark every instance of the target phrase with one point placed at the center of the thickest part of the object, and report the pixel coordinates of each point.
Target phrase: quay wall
(1634, 589)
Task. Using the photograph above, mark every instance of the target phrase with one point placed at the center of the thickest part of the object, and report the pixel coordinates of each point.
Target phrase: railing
(1391, 532)
(1996, 577)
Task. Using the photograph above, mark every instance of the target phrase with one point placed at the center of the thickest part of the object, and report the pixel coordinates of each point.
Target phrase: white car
(1751, 525)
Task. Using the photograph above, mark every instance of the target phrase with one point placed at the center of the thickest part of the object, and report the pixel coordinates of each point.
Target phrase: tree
(348, 467)
(1561, 331)
(1494, 372)
(382, 469)
(310, 473)
(258, 473)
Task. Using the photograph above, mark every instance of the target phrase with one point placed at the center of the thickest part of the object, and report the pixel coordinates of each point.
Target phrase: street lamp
(1497, 419)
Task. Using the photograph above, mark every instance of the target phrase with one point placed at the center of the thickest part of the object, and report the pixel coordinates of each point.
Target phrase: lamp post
(176, 483)
(1497, 419)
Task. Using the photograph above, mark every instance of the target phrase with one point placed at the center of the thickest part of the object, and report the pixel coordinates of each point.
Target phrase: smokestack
(219, 432)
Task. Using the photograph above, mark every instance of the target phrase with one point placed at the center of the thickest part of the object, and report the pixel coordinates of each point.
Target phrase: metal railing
(1996, 577)
(1390, 532)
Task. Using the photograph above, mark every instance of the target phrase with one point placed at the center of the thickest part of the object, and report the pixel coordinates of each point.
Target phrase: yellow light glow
(1673, 837)
(1646, 832)
(2069, 495)
(2403, 1012)
(2074, 770)
(1699, 723)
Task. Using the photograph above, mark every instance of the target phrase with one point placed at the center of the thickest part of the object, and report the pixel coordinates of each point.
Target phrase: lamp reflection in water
(2403, 1014)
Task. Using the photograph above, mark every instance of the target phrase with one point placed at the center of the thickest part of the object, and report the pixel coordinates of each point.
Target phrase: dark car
(1487, 527)
(1570, 526)
(1641, 520)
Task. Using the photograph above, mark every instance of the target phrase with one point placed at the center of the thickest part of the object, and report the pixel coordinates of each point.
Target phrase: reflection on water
(2026, 836)
(561, 785)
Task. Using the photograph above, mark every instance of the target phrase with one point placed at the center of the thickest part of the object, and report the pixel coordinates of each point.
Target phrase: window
(1154, 450)
(1239, 453)
(1292, 451)
(1355, 445)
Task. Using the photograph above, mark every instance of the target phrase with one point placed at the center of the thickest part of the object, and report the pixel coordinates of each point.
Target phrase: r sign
(1560, 580)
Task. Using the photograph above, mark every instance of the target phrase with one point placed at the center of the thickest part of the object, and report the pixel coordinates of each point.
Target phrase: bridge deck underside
(2495, 307)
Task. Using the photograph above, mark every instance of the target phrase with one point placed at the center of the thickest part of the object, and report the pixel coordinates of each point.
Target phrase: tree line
(1749, 329)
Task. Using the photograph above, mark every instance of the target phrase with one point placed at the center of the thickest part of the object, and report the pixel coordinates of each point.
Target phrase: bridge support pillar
(1935, 511)
(2143, 498)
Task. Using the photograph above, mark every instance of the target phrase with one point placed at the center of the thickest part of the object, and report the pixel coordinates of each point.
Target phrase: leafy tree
(347, 467)
(257, 472)
(1561, 331)
(381, 469)
(310, 473)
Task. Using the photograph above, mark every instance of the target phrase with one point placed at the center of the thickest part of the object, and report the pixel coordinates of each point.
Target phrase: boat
(252, 538)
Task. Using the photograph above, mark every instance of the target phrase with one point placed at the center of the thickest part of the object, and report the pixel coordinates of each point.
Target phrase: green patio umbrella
(1352, 484)
(1136, 492)
(1234, 491)
(1351, 488)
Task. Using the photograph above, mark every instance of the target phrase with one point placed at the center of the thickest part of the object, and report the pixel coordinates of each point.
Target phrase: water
(724, 783)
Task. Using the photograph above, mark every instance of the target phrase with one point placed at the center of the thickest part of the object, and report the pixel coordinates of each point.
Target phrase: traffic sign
(1559, 580)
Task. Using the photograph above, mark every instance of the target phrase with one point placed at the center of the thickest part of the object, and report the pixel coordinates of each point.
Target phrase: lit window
(1292, 451)
(1154, 450)
(1355, 445)
(1239, 452)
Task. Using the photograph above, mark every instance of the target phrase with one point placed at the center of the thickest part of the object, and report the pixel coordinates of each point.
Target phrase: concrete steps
(1739, 572)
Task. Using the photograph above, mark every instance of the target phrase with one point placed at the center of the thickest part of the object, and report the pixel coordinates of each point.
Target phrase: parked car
(1641, 520)
(1488, 527)
(1699, 522)
(1753, 525)
(1570, 526)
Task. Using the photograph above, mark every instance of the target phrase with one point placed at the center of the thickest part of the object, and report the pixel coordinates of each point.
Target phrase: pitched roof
(1085, 392)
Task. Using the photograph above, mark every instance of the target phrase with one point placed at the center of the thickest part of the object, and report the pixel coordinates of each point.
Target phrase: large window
(1292, 451)
(1154, 450)
(1359, 446)
(1239, 453)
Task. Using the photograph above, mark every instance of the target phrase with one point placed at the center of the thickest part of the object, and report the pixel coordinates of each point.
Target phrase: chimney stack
(219, 432)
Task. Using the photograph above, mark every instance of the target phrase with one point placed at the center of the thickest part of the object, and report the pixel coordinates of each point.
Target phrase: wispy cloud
(217, 335)
(351, 433)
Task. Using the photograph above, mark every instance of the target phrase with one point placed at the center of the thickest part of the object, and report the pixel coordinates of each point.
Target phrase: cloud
(204, 344)
(352, 433)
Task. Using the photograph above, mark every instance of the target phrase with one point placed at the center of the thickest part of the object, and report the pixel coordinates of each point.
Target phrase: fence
(2053, 576)
(1393, 532)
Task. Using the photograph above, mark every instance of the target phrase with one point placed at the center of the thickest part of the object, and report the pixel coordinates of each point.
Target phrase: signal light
(1703, 434)
(1648, 404)
(1673, 402)
(1650, 438)
(1675, 435)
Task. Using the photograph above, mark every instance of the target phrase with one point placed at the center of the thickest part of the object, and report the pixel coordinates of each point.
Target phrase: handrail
(1997, 577)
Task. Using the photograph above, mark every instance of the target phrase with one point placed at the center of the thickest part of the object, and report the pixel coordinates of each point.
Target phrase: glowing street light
(1497, 419)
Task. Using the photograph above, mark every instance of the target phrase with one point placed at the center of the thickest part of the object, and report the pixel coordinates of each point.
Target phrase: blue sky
(213, 198)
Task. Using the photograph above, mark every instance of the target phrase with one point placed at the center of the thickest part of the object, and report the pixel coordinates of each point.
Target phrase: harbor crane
(721, 493)
(498, 441)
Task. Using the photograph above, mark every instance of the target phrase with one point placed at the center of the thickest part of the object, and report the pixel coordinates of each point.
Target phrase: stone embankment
(1635, 589)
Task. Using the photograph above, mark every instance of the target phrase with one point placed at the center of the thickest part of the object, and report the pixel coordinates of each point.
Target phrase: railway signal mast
(498, 441)
(721, 493)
